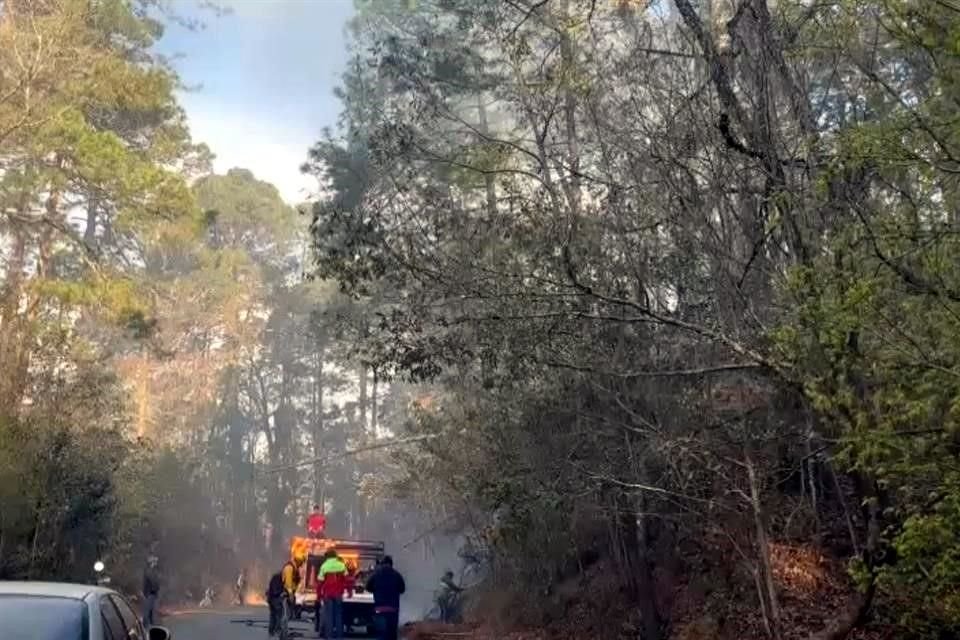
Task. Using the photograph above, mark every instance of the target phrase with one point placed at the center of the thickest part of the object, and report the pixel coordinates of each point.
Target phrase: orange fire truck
(361, 558)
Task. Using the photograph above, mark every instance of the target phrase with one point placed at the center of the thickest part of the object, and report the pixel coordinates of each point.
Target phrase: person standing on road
(281, 591)
(386, 584)
(151, 590)
(239, 587)
(332, 584)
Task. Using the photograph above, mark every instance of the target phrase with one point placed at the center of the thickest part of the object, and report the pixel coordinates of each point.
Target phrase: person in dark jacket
(151, 589)
(386, 584)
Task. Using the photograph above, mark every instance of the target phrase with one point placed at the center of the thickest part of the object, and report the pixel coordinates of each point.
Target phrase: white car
(60, 611)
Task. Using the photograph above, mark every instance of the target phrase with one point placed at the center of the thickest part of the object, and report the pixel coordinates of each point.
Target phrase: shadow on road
(231, 624)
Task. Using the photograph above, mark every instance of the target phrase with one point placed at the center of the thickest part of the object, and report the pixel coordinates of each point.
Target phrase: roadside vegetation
(166, 366)
(684, 276)
(660, 299)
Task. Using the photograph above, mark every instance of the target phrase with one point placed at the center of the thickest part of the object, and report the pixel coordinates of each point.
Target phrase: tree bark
(812, 467)
(768, 588)
(632, 529)
(647, 590)
(90, 229)
(143, 395)
(374, 421)
(318, 430)
(859, 607)
(362, 399)
(568, 69)
(489, 178)
(11, 340)
(848, 519)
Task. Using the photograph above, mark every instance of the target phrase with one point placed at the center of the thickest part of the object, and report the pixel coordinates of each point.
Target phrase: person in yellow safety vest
(291, 575)
(281, 591)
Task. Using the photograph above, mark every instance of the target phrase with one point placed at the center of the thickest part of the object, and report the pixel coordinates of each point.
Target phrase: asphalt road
(249, 623)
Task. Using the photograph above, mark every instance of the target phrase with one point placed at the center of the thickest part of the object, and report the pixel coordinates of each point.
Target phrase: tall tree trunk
(646, 586)
(632, 530)
(318, 430)
(235, 429)
(15, 336)
(362, 374)
(489, 178)
(11, 328)
(374, 410)
(848, 519)
(90, 229)
(568, 70)
(21, 307)
(856, 612)
(768, 591)
(812, 478)
(143, 395)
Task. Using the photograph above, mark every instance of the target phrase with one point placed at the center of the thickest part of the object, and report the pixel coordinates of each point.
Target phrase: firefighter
(448, 598)
(387, 585)
(282, 590)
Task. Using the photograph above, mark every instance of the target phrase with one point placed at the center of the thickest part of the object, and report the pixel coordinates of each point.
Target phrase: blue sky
(264, 77)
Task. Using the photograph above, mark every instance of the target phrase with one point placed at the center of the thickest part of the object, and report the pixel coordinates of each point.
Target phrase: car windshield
(42, 618)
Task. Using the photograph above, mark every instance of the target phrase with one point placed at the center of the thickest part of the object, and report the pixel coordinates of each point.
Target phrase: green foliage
(91, 129)
(58, 491)
(614, 237)
(875, 356)
(101, 123)
(872, 335)
(246, 211)
(928, 559)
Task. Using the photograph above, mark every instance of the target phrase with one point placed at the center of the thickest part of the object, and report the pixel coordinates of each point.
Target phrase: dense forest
(173, 382)
(684, 274)
(655, 302)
